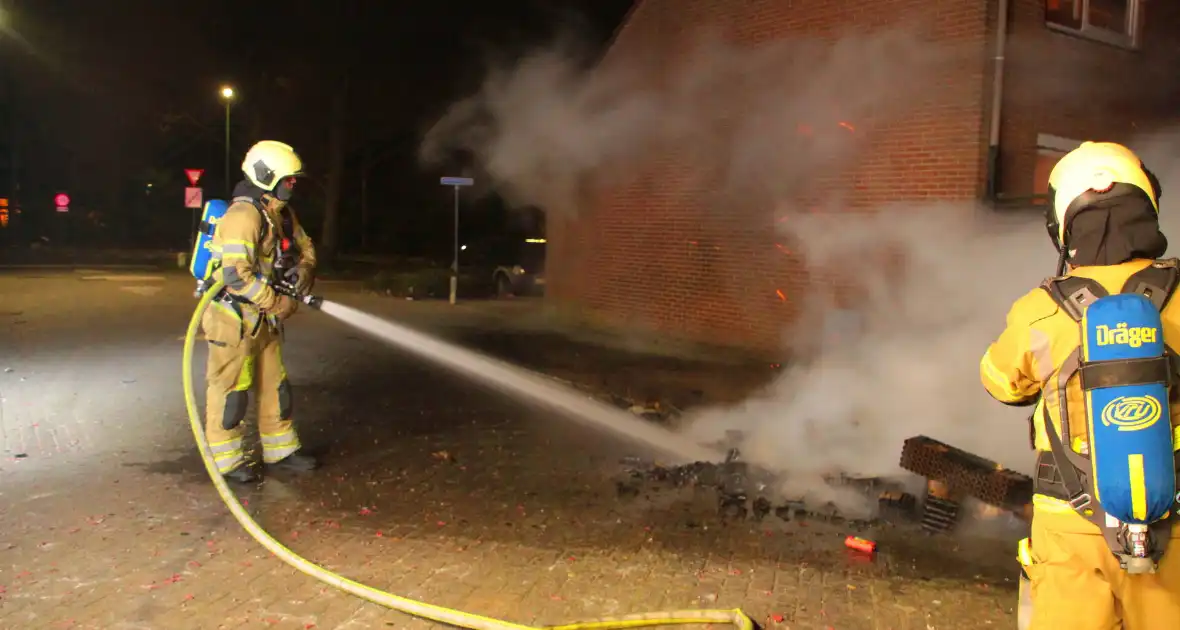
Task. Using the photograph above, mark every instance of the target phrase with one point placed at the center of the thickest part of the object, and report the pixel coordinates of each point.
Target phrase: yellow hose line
(735, 617)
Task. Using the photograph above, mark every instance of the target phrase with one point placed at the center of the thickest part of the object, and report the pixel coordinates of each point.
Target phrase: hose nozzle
(287, 288)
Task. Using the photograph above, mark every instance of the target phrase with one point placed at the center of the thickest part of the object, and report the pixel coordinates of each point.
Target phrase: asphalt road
(432, 488)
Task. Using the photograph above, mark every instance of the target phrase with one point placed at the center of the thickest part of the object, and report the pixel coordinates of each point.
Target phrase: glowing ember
(782, 296)
(847, 126)
(782, 248)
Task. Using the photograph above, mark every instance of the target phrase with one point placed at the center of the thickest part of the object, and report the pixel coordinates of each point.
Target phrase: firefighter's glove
(284, 307)
(304, 280)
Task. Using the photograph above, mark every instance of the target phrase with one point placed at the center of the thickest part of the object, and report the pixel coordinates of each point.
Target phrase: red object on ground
(860, 544)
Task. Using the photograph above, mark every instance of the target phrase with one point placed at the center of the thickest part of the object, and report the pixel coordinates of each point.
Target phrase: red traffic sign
(193, 198)
(61, 200)
(194, 175)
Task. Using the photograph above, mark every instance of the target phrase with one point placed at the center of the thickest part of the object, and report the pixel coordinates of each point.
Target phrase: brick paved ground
(432, 489)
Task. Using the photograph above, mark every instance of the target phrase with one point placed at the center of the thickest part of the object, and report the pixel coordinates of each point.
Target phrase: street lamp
(227, 95)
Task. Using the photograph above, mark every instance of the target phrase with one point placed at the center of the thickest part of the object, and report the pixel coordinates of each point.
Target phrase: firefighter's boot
(243, 474)
(298, 462)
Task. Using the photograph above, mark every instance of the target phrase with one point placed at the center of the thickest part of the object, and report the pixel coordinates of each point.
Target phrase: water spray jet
(526, 385)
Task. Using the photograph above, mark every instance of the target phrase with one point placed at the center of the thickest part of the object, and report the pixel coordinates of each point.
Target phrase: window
(1050, 149)
(1046, 160)
(1110, 21)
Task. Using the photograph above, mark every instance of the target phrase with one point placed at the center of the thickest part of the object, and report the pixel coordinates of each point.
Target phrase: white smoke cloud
(762, 120)
(542, 131)
(914, 367)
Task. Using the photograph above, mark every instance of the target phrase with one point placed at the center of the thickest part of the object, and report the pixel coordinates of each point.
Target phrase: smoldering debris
(954, 476)
(746, 492)
(966, 474)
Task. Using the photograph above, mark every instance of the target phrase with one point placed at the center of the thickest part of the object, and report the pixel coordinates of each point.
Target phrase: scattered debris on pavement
(860, 544)
(954, 474)
(745, 492)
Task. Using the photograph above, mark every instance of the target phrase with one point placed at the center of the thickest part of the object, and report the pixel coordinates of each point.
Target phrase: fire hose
(457, 618)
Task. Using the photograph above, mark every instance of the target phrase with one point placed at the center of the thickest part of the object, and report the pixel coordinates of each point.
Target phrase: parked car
(524, 273)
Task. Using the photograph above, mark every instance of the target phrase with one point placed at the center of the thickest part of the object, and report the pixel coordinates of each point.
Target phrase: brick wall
(649, 254)
(1081, 89)
(652, 254)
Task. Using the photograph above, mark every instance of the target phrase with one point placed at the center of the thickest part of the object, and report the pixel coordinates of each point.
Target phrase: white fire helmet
(270, 162)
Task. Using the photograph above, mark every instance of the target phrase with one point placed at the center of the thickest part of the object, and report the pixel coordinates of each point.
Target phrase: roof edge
(614, 37)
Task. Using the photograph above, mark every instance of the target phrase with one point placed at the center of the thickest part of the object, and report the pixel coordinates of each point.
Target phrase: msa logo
(1122, 335)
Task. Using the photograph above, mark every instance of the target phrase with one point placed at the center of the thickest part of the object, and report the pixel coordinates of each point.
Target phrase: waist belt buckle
(1080, 502)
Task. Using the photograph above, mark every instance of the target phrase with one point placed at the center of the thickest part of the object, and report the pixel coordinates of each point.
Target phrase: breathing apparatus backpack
(201, 264)
(1125, 483)
(204, 263)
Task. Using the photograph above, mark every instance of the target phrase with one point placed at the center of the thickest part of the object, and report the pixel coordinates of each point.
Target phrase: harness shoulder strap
(1156, 282)
(1074, 293)
(288, 220)
(288, 246)
(1068, 465)
(266, 227)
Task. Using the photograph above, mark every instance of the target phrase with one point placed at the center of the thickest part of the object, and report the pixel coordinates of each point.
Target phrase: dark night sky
(108, 91)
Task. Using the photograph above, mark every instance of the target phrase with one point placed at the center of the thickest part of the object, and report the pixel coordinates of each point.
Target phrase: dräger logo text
(1122, 335)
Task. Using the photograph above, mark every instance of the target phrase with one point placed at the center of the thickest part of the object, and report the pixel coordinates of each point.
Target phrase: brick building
(642, 256)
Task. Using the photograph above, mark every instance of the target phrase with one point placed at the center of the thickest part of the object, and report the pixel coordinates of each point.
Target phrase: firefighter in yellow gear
(1104, 221)
(257, 238)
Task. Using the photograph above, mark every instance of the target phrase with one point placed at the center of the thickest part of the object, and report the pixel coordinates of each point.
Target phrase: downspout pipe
(993, 146)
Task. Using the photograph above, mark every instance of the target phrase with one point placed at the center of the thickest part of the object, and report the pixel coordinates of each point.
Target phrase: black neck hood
(246, 189)
(1114, 230)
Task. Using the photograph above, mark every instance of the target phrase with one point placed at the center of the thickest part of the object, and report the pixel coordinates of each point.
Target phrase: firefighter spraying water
(255, 267)
(260, 253)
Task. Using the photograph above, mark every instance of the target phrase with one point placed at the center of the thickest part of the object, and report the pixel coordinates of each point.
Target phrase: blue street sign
(457, 181)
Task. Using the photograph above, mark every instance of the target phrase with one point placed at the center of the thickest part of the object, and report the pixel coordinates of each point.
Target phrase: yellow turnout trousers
(242, 357)
(1076, 582)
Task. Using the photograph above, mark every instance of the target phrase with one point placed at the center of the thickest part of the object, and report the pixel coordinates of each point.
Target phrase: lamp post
(227, 95)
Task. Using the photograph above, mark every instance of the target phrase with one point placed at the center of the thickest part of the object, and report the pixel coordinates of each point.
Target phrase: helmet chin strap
(1055, 235)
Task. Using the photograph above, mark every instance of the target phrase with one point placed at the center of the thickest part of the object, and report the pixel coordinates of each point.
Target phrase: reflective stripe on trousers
(228, 454)
(1025, 604)
(276, 446)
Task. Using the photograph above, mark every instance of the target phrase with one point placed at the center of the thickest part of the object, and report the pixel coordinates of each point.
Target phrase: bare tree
(342, 36)
(337, 143)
